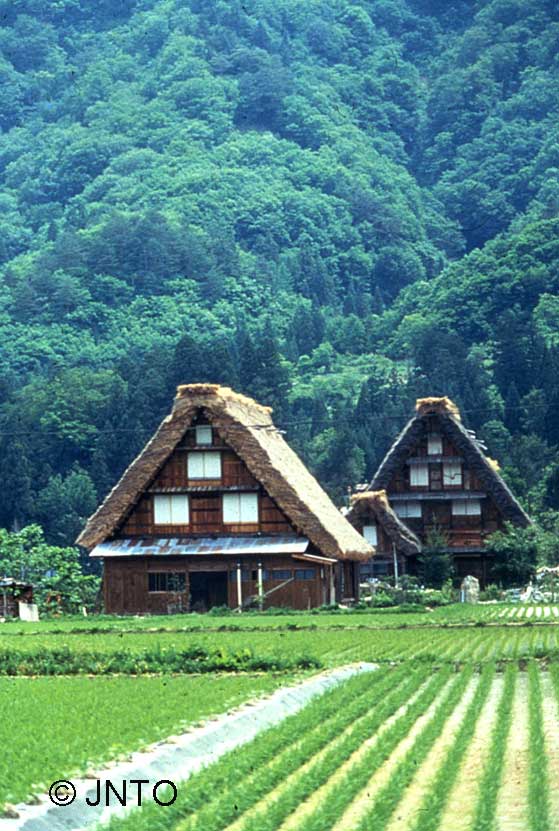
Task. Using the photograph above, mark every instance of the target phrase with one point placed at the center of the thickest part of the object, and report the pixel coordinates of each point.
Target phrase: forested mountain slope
(333, 206)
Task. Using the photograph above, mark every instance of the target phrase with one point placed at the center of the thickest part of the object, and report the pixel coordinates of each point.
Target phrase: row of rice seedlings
(327, 715)
(245, 795)
(390, 795)
(490, 783)
(538, 782)
(436, 798)
(336, 800)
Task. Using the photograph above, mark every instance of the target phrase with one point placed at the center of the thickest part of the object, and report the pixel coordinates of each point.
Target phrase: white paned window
(370, 534)
(203, 434)
(434, 445)
(239, 508)
(419, 475)
(204, 465)
(466, 507)
(170, 509)
(452, 473)
(408, 509)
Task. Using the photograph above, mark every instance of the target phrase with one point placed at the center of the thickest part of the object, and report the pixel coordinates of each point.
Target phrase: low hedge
(196, 659)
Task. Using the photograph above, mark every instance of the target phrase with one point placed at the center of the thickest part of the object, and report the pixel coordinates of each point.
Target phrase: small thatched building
(218, 510)
(445, 489)
(395, 544)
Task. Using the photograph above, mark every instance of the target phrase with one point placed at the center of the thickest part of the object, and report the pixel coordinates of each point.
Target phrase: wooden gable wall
(461, 530)
(205, 496)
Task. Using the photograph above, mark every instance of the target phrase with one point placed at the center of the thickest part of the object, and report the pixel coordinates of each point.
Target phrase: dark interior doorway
(207, 589)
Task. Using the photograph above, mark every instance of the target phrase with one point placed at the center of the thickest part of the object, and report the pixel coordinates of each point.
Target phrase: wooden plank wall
(125, 583)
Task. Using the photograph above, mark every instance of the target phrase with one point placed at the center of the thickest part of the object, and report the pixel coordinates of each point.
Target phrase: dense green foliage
(56, 574)
(333, 206)
(102, 718)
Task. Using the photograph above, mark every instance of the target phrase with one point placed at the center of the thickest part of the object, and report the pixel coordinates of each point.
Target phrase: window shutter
(195, 466)
(212, 465)
(179, 509)
(419, 475)
(249, 507)
(205, 465)
(434, 445)
(240, 508)
(203, 434)
(452, 473)
(370, 533)
(162, 509)
(231, 508)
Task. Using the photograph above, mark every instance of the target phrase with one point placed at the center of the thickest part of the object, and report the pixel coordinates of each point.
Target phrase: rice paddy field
(456, 730)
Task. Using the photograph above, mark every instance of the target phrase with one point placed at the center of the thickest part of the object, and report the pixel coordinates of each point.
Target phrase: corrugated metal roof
(165, 546)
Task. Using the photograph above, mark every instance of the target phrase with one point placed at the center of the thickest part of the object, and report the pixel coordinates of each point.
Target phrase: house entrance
(207, 589)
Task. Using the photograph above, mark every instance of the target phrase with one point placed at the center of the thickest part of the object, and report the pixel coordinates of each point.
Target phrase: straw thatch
(375, 504)
(441, 405)
(247, 428)
(441, 415)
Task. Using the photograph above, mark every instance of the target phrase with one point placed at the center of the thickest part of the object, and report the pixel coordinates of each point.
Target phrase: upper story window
(419, 475)
(370, 534)
(239, 508)
(204, 465)
(434, 444)
(407, 509)
(452, 474)
(171, 509)
(466, 507)
(203, 434)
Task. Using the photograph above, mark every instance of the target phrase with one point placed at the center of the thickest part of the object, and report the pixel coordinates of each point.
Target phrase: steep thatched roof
(443, 415)
(247, 428)
(375, 504)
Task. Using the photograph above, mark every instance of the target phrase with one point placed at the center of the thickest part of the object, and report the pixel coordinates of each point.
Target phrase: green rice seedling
(488, 791)
(538, 782)
(389, 796)
(437, 795)
(246, 794)
(216, 796)
(319, 773)
(55, 726)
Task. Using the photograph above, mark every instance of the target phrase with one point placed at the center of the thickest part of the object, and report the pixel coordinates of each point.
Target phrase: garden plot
(412, 749)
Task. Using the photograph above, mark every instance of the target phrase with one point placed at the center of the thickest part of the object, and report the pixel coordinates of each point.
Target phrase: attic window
(240, 508)
(204, 465)
(452, 474)
(370, 534)
(170, 509)
(466, 507)
(419, 475)
(408, 509)
(434, 444)
(203, 434)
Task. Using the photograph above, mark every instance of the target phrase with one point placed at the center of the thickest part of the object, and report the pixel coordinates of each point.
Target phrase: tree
(514, 554)
(435, 561)
(59, 584)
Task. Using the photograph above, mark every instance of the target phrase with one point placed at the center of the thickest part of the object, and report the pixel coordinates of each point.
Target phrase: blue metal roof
(201, 546)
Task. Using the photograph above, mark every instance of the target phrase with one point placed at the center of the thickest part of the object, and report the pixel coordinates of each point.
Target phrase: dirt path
(413, 798)
(363, 801)
(512, 802)
(551, 731)
(459, 812)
